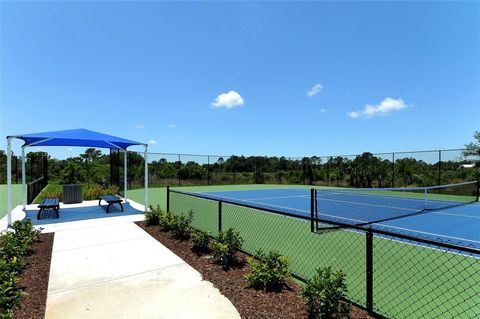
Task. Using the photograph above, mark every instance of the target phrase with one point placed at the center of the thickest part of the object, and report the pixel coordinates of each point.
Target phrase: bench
(49, 203)
(110, 199)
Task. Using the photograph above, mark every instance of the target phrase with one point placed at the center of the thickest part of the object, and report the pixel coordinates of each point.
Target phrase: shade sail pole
(146, 178)
(125, 176)
(9, 180)
(24, 181)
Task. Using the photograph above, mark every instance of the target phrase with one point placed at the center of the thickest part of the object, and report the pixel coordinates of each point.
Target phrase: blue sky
(253, 78)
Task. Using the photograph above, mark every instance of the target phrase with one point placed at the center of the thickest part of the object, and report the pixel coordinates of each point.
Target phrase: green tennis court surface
(16, 197)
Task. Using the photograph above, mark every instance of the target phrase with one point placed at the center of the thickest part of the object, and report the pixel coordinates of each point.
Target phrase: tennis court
(444, 217)
(411, 279)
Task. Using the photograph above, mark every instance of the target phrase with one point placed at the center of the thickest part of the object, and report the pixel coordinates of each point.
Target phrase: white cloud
(171, 126)
(228, 100)
(323, 110)
(153, 142)
(140, 126)
(315, 90)
(385, 107)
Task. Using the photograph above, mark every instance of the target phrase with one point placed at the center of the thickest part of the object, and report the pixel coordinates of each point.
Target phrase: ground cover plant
(225, 245)
(270, 272)
(324, 294)
(14, 247)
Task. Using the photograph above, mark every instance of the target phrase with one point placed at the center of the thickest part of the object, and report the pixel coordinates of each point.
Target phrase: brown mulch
(34, 279)
(250, 303)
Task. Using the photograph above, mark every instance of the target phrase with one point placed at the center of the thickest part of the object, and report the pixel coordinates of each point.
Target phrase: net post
(369, 270)
(168, 199)
(312, 210)
(219, 216)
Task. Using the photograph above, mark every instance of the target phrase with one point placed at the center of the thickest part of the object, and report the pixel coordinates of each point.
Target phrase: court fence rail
(391, 275)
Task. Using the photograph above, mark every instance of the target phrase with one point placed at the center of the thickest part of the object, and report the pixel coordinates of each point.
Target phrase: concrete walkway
(108, 267)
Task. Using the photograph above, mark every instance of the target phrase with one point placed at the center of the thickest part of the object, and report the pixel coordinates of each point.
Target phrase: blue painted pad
(459, 224)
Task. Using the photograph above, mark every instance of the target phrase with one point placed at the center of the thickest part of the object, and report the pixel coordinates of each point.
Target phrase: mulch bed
(34, 279)
(249, 302)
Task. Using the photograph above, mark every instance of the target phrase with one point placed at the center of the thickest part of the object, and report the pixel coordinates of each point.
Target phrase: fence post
(312, 210)
(478, 190)
(439, 169)
(393, 169)
(179, 167)
(219, 216)
(168, 199)
(208, 169)
(369, 270)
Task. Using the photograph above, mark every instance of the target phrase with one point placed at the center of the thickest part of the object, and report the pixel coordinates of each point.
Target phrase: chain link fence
(397, 169)
(394, 275)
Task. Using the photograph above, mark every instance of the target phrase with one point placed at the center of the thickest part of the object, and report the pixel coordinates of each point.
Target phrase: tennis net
(360, 206)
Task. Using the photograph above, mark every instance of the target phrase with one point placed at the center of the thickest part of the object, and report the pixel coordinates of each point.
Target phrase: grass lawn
(409, 280)
(16, 197)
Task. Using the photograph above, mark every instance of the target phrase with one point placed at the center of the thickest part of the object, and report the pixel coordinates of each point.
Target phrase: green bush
(95, 191)
(225, 246)
(270, 273)
(166, 221)
(324, 295)
(14, 245)
(152, 217)
(201, 241)
(180, 225)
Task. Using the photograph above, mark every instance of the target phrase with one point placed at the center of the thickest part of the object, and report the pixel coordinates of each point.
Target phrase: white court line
(427, 233)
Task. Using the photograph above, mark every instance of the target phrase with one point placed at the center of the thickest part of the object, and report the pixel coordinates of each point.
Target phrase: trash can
(72, 193)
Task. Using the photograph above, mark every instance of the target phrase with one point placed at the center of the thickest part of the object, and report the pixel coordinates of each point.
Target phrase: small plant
(225, 246)
(201, 241)
(324, 295)
(166, 221)
(14, 246)
(270, 273)
(180, 224)
(152, 217)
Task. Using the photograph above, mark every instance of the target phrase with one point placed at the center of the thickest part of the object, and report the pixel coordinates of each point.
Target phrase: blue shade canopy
(78, 137)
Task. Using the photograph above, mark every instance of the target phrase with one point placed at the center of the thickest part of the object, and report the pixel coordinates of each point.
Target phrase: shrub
(180, 225)
(270, 273)
(324, 293)
(52, 194)
(95, 191)
(201, 241)
(166, 221)
(13, 246)
(225, 246)
(152, 217)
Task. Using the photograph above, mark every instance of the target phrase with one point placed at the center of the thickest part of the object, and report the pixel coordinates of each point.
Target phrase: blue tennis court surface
(457, 224)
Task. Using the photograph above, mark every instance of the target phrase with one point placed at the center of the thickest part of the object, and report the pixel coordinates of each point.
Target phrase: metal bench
(49, 203)
(110, 199)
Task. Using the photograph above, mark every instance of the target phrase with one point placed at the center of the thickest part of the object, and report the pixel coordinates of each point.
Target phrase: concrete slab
(105, 266)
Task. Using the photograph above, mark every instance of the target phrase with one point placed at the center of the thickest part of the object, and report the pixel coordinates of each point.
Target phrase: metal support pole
(208, 169)
(24, 181)
(369, 270)
(9, 180)
(393, 169)
(312, 210)
(168, 199)
(478, 190)
(179, 166)
(439, 169)
(219, 216)
(146, 178)
(125, 176)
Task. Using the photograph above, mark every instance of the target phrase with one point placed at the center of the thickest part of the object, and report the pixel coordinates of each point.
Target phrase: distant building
(467, 165)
